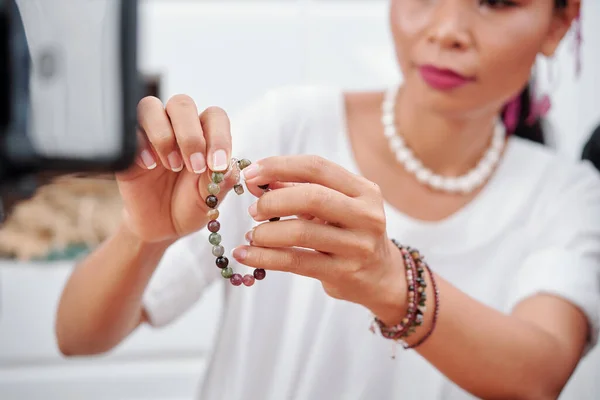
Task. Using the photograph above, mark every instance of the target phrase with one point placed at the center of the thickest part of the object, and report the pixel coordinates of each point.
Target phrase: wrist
(409, 314)
(392, 301)
(125, 235)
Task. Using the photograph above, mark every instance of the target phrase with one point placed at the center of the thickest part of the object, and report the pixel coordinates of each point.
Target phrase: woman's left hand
(345, 246)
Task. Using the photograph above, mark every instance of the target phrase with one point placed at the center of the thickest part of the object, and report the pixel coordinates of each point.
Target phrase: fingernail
(175, 161)
(253, 209)
(147, 159)
(250, 171)
(249, 235)
(198, 162)
(239, 253)
(220, 160)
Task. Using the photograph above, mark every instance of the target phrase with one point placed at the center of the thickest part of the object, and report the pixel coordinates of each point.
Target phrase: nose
(449, 27)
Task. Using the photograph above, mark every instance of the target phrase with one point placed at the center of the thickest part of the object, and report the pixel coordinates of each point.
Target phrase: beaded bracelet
(416, 290)
(436, 311)
(422, 286)
(417, 298)
(214, 226)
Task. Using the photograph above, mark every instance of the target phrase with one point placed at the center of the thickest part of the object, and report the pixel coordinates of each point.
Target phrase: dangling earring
(539, 107)
(541, 104)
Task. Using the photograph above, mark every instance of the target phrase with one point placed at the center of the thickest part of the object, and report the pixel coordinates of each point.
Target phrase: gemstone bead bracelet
(214, 226)
(416, 268)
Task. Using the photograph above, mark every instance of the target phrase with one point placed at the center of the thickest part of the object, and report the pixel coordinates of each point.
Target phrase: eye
(498, 3)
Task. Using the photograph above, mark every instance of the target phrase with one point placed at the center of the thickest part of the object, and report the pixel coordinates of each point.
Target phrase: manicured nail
(253, 209)
(175, 161)
(147, 159)
(250, 172)
(198, 162)
(220, 160)
(249, 235)
(239, 253)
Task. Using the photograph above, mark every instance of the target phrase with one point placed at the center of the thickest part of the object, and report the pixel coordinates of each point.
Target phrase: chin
(451, 103)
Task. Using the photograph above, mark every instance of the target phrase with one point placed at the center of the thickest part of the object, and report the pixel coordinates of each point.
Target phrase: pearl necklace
(466, 183)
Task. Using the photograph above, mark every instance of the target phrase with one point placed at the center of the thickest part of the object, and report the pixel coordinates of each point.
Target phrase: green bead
(217, 177)
(227, 272)
(214, 239)
(239, 189)
(244, 162)
(218, 250)
(214, 188)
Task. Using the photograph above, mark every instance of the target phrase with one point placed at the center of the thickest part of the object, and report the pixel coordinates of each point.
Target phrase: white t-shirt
(534, 228)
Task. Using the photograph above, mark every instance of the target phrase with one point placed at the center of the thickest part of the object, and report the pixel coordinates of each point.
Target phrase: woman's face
(463, 57)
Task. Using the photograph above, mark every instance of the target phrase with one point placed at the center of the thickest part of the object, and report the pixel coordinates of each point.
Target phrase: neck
(447, 146)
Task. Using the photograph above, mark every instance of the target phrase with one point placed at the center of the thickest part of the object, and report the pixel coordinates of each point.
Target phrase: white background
(226, 53)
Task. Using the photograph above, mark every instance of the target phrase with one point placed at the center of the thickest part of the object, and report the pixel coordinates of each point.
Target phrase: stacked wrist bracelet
(415, 268)
(214, 226)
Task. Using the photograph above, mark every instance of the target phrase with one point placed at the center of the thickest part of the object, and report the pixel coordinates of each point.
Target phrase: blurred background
(221, 53)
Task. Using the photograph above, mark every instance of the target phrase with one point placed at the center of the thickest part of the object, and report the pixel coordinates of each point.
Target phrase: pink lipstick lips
(442, 79)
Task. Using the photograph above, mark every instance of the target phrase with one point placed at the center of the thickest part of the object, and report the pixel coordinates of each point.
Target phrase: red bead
(212, 201)
(248, 280)
(259, 274)
(214, 226)
(236, 280)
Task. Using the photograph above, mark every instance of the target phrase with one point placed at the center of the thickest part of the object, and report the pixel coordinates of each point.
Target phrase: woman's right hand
(164, 192)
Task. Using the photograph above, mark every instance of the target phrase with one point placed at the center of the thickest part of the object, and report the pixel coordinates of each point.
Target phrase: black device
(69, 86)
(591, 150)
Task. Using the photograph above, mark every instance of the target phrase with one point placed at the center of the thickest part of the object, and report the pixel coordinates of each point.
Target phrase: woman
(514, 243)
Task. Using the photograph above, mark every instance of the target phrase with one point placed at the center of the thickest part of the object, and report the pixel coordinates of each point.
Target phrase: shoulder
(552, 172)
(558, 189)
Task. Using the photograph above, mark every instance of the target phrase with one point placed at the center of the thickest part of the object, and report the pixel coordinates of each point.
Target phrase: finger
(297, 261)
(315, 200)
(216, 127)
(145, 159)
(311, 235)
(183, 113)
(258, 191)
(155, 123)
(305, 169)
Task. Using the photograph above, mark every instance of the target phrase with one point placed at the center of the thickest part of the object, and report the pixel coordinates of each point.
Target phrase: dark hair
(524, 129)
(531, 130)
(591, 150)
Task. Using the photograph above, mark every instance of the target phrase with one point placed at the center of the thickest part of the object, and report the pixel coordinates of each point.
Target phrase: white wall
(229, 52)
(226, 53)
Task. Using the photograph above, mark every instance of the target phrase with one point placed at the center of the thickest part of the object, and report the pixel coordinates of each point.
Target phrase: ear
(561, 22)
